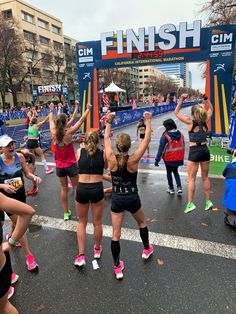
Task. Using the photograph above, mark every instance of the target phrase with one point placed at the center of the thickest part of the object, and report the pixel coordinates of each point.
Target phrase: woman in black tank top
(124, 189)
(25, 213)
(91, 162)
(198, 150)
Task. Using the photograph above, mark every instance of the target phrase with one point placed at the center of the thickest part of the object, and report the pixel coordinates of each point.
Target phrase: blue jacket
(229, 199)
(174, 135)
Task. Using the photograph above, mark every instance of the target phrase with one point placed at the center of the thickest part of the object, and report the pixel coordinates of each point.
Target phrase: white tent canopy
(113, 88)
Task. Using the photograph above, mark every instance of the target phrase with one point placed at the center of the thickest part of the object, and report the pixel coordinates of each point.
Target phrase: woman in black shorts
(24, 213)
(198, 151)
(65, 158)
(124, 189)
(91, 162)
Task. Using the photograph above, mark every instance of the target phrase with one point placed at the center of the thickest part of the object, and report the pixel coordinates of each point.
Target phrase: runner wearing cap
(13, 168)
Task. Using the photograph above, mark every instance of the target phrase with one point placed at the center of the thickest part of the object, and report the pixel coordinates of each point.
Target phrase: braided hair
(91, 142)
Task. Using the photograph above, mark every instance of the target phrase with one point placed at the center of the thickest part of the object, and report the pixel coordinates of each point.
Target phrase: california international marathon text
(171, 59)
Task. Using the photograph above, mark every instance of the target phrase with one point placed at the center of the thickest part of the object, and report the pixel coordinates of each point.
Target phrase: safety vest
(174, 150)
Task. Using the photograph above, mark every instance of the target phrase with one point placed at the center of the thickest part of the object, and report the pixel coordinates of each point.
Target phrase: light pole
(31, 77)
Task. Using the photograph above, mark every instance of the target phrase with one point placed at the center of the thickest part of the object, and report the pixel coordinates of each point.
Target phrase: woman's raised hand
(51, 106)
(111, 116)
(147, 115)
(184, 96)
(89, 106)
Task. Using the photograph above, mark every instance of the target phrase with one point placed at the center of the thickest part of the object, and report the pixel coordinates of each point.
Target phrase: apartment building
(44, 42)
(147, 74)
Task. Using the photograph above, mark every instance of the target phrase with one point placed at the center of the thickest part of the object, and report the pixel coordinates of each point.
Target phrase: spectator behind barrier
(229, 199)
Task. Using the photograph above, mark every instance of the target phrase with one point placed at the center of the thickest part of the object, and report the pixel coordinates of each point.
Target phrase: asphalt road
(193, 268)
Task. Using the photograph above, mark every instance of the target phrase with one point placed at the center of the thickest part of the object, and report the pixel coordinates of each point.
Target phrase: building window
(146, 76)
(55, 29)
(27, 17)
(42, 24)
(7, 14)
(44, 41)
(47, 58)
(57, 45)
(140, 70)
(145, 70)
(29, 36)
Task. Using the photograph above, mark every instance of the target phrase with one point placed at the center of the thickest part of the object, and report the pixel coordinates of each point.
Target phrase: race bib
(17, 183)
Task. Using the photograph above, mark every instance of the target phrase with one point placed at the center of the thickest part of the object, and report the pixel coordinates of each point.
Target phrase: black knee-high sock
(115, 250)
(144, 237)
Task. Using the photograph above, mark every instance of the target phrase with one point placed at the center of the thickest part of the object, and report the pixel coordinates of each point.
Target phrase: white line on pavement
(159, 239)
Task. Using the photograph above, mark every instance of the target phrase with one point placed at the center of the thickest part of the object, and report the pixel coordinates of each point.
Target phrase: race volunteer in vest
(91, 163)
(24, 213)
(13, 168)
(198, 151)
(171, 150)
(65, 157)
(33, 140)
(229, 199)
(125, 197)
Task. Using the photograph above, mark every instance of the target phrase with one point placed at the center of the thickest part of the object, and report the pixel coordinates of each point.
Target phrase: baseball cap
(5, 140)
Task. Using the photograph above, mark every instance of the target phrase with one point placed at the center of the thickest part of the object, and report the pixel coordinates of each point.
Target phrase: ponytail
(123, 143)
(91, 143)
(60, 127)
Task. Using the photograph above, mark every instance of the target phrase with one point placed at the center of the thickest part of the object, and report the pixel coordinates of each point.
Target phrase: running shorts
(32, 144)
(68, 171)
(199, 153)
(129, 202)
(89, 192)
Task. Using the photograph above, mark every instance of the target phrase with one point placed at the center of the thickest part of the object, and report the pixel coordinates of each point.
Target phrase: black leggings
(169, 170)
(5, 276)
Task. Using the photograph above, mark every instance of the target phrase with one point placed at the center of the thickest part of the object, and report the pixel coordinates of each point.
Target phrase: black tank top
(91, 164)
(199, 136)
(123, 181)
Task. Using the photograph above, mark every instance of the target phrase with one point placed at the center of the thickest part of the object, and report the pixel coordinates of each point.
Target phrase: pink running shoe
(31, 263)
(147, 252)
(118, 270)
(97, 252)
(10, 292)
(80, 260)
(70, 185)
(49, 170)
(14, 277)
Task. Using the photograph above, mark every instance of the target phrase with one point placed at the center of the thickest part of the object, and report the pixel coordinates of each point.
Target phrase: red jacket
(174, 150)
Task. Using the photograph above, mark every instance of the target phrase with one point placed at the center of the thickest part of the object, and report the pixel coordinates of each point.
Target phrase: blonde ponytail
(91, 142)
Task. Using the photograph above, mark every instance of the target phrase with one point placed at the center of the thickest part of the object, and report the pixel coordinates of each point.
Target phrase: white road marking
(150, 171)
(159, 239)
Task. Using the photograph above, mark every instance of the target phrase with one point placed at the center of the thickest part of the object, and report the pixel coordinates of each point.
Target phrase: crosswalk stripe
(159, 239)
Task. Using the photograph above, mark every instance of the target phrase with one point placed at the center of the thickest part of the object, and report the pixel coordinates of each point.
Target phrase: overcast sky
(86, 20)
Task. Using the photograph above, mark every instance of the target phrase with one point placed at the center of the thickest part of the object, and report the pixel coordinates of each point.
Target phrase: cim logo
(85, 52)
(221, 38)
(85, 55)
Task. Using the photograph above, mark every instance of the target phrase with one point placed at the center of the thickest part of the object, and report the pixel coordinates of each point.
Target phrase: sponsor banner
(184, 43)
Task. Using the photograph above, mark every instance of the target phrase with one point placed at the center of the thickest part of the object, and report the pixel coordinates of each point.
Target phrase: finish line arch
(183, 44)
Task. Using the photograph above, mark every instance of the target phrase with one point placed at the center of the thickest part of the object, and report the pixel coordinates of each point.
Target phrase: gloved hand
(156, 163)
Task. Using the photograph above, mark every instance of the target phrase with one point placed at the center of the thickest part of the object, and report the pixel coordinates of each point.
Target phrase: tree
(219, 12)
(18, 59)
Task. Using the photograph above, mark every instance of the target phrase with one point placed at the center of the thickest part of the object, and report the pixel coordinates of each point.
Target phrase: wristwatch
(12, 242)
